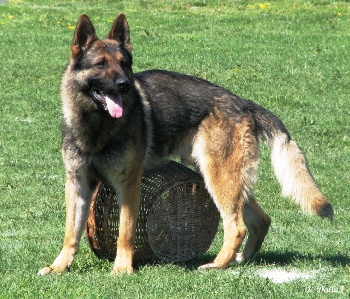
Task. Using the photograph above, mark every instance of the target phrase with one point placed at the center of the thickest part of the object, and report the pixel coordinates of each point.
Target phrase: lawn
(290, 56)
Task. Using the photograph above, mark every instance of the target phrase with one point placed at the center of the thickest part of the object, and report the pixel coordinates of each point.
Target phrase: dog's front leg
(78, 195)
(129, 208)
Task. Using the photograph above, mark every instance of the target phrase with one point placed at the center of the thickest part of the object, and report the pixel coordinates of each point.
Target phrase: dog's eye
(123, 63)
(102, 63)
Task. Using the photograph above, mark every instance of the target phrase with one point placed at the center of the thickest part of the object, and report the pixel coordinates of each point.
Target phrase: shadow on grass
(291, 257)
(274, 258)
(278, 259)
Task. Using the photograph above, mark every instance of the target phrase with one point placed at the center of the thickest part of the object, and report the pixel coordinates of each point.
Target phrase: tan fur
(129, 185)
(223, 143)
(295, 178)
(258, 223)
(129, 207)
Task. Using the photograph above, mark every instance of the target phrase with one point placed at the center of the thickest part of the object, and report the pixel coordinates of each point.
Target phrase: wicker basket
(177, 219)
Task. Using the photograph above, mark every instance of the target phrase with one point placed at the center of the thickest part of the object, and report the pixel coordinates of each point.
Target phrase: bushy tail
(290, 164)
(295, 178)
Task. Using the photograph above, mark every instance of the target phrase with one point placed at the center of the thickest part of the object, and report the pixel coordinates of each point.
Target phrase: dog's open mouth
(112, 103)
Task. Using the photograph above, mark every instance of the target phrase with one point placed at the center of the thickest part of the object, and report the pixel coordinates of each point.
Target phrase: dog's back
(179, 104)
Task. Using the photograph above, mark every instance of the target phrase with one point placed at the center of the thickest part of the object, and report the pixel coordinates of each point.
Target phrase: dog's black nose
(123, 85)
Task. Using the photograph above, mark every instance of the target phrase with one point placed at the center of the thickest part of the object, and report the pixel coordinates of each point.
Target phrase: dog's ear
(84, 35)
(120, 32)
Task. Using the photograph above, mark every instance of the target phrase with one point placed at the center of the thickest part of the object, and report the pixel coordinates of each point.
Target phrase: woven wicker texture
(177, 219)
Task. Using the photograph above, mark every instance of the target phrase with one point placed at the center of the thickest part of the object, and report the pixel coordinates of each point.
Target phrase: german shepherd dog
(117, 125)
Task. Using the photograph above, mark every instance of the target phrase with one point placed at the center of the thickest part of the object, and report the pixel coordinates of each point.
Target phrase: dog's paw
(243, 259)
(122, 270)
(51, 270)
(209, 266)
(45, 271)
(240, 258)
(48, 270)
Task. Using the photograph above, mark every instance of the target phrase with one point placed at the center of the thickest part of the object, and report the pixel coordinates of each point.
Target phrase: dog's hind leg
(234, 233)
(227, 152)
(258, 223)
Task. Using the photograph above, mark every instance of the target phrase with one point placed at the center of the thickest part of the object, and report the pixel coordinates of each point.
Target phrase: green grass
(290, 56)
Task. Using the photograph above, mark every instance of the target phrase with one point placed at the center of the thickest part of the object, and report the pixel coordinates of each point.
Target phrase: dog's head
(102, 67)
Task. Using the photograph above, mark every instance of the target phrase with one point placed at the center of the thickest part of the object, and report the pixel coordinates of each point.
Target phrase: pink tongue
(114, 105)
